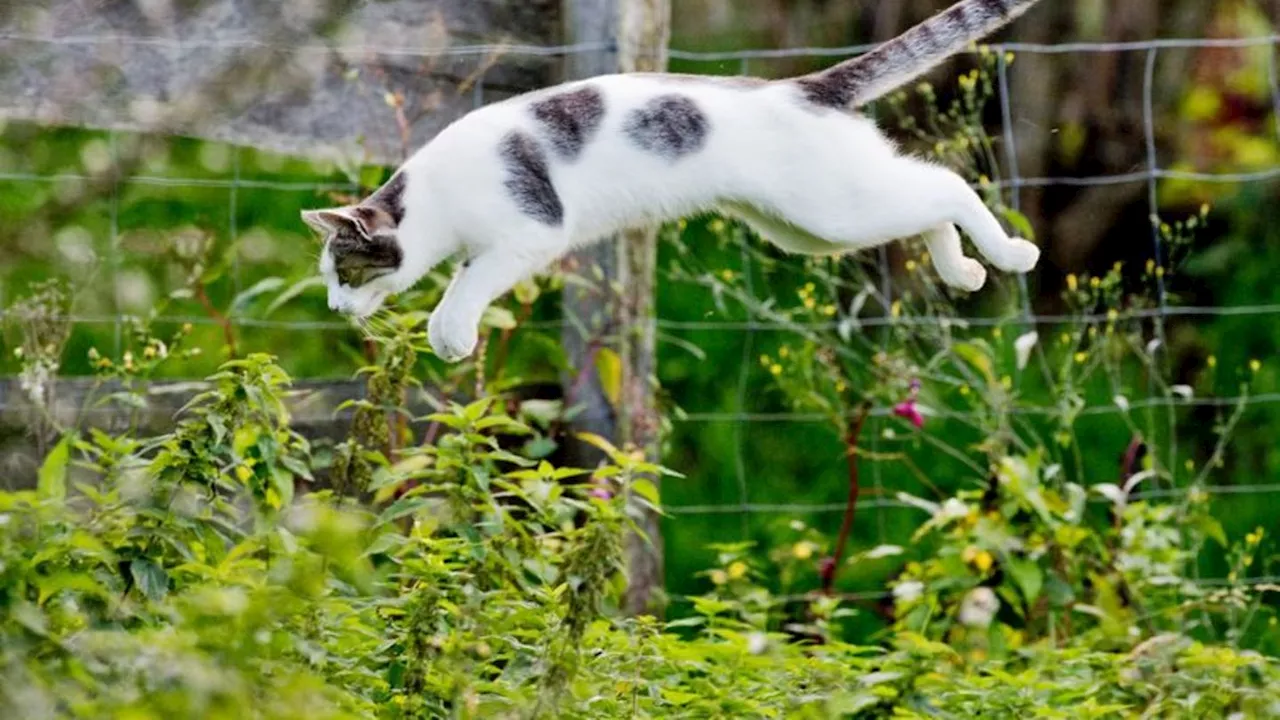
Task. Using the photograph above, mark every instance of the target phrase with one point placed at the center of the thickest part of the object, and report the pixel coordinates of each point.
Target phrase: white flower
(757, 643)
(1023, 347)
(908, 591)
(1121, 402)
(881, 551)
(979, 608)
(1183, 391)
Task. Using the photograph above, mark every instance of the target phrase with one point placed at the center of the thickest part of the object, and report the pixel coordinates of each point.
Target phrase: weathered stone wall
(307, 77)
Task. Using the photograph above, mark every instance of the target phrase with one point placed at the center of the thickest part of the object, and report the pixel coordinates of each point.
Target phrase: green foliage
(184, 576)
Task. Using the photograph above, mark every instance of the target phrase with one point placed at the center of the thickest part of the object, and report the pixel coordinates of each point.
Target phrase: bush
(184, 577)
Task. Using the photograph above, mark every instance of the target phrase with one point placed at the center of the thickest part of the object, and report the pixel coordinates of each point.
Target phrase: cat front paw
(1017, 256)
(451, 338)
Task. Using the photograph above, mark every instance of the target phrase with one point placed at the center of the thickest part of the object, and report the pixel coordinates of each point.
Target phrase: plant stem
(831, 568)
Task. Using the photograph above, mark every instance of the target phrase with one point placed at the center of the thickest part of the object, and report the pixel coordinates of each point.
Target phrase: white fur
(811, 180)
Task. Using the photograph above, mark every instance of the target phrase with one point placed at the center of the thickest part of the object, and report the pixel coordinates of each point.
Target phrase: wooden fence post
(613, 314)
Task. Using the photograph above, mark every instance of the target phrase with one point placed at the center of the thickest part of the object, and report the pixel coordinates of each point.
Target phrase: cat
(515, 185)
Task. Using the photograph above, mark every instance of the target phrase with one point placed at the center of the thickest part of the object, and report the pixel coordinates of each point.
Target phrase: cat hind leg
(953, 266)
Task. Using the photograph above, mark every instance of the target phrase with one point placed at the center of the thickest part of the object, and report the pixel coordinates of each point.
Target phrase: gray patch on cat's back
(529, 178)
(672, 126)
(390, 197)
(570, 119)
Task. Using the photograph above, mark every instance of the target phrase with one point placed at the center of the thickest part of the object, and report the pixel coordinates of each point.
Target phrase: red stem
(831, 566)
(228, 332)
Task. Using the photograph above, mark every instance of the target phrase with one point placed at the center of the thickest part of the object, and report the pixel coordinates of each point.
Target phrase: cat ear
(325, 221)
(366, 220)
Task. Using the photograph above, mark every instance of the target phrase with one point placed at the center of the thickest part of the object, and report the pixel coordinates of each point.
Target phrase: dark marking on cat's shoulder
(390, 197)
(570, 119)
(672, 126)
(529, 178)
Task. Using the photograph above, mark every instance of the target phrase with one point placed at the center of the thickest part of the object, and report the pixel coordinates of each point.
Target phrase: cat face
(361, 259)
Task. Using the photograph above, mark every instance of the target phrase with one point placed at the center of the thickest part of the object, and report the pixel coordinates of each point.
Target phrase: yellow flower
(964, 389)
(727, 275)
(996, 333)
(1211, 361)
(829, 310)
(1072, 282)
(895, 309)
(1081, 356)
(809, 303)
(802, 550)
(775, 369)
(784, 351)
(1113, 315)
(719, 577)
(1095, 283)
(243, 473)
(983, 561)
(1255, 365)
(911, 266)
(737, 570)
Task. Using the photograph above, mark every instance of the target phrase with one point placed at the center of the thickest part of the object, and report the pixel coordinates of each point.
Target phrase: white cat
(515, 185)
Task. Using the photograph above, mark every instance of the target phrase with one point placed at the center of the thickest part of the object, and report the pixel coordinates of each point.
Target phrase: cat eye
(360, 275)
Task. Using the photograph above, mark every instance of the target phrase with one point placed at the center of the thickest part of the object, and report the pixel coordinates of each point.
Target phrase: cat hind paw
(969, 275)
(1017, 256)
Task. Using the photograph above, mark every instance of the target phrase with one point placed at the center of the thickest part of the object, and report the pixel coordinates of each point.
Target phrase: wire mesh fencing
(217, 198)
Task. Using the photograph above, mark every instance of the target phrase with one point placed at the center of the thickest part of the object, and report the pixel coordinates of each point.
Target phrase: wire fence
(742, 417)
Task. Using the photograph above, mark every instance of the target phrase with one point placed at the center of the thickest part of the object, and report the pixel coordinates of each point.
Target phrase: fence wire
(742, 417)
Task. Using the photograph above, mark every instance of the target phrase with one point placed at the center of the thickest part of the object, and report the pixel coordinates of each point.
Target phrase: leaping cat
(515, 185)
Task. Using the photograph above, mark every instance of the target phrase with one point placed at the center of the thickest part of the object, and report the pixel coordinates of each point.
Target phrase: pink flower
(907, 408)
(601, 493)
(908, 411)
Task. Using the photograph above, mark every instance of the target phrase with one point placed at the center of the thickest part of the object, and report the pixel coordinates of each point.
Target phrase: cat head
(362, 259)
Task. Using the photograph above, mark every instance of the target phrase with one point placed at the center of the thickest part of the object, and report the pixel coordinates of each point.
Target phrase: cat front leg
(454, 327)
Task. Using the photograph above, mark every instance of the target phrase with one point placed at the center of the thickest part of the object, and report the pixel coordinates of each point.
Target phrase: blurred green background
(1075, 115)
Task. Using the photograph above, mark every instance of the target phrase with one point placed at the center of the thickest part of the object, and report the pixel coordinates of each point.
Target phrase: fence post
(612, 316)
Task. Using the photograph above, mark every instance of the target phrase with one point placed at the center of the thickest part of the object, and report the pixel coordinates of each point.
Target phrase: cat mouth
(370, 306)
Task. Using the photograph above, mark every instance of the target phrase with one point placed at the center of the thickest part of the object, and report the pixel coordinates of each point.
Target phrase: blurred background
(143, 144)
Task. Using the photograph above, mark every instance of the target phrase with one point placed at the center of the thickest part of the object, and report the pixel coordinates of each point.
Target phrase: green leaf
(976, 356)
(150, 578)
(52, 482)
(646, 489)
(1020, 223)
(499, 318)
(292, 292)
(247, 295)
(526, 292)
(609, 368)
(1029, 576)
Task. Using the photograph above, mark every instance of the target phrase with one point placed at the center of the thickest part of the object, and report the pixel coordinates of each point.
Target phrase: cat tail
(893, 64)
